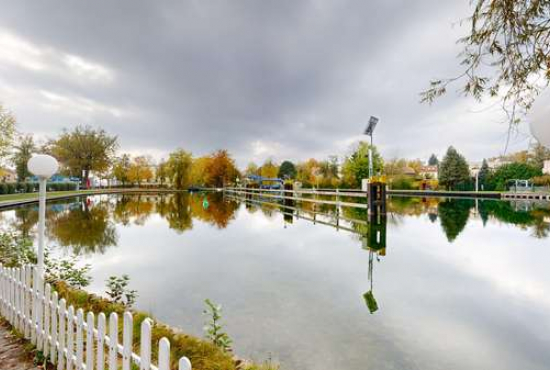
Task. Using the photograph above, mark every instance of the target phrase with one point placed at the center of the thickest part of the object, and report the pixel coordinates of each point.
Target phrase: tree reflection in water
(453, 215)
(85, 227)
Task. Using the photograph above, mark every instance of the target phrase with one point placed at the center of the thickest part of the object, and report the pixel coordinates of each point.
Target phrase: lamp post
(42, 166)
(369, 131)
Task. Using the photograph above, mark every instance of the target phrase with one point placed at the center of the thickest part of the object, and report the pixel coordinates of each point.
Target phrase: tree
(179, 168)
(199, 175)
(308, 172)
(162, 172)
(83, 150)
(251, 169)
(506, 54)
(356, 166)
(140, 170)
(453, 169)
(121, 168)
(415, 165)
(221, 169)
(514, 171)
(433, 161)
(22, 154)
(484, 175)
(395, 167)
(287, 170)
(7, 130)
(328, 171)
(540, 155)
(269, 169)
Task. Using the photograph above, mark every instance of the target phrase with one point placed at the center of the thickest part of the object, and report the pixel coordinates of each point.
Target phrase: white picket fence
(74, 340)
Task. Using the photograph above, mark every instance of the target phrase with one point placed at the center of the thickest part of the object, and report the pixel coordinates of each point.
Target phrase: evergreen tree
(433, 161)
(484, 174)
(453, 170)
(287, 170)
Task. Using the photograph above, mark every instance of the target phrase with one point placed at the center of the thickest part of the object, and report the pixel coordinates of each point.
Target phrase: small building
(429, 172)
(546, 168)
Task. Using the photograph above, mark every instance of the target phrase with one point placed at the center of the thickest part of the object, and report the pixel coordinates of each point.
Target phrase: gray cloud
(285, 79)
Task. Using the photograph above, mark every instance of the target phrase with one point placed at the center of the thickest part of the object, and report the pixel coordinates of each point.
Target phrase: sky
(286, 79)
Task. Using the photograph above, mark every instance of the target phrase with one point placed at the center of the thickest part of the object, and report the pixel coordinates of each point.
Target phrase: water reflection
(86, 227)
(88, 224)
(378, 294)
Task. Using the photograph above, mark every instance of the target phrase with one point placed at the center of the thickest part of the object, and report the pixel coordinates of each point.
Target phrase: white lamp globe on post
(539, 119)
(42, 166)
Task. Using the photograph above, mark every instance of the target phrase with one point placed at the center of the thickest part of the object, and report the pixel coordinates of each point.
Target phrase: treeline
(85, 150)
(181, 170)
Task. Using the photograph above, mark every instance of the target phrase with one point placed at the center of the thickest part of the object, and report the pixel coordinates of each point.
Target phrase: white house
(546, 169)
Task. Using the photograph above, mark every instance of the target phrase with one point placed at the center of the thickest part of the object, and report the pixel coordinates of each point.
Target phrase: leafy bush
(66, 269)
(16, 251)
(118, 290)
(214, 330)
(521, 171)
(403, 183)
(542, 180)
(10, 188)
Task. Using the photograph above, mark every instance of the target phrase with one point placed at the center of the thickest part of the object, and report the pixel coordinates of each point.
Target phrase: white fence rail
(75, 340)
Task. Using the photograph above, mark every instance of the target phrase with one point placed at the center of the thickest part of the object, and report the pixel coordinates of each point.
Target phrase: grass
(53, 194)
(26, 196)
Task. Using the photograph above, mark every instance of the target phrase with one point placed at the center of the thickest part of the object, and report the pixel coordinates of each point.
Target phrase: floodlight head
(43, 165)
(539, 119)
(371, 125)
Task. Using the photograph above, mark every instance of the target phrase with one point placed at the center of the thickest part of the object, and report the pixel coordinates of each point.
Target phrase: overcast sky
(282, 79)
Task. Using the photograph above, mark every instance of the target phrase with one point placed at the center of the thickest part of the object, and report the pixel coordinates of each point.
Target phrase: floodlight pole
(370, 132)
(371, 165)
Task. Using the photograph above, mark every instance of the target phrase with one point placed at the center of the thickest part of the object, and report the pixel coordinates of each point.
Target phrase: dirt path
(12, 352)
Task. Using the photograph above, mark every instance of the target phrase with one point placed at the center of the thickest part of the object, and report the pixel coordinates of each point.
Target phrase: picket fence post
(28, 301)
(100, 341)
(145, 346)
(54, 328)
(127, 340)
(113, 340)
(90, 341)
(61, 349)
(70, 337)
(79, 338)
(35, 309)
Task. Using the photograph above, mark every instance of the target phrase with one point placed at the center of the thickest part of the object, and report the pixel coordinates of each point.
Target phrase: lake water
(438, 284)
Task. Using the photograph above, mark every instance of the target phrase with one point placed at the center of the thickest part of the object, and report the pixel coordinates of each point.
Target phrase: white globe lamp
(539, 118)
(42, 166)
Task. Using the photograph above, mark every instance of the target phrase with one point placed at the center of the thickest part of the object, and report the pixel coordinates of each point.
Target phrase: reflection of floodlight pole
(369, 131)
(42, 166)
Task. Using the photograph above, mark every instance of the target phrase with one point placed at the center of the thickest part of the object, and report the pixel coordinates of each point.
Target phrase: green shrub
(10, 188)
(403, 183)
